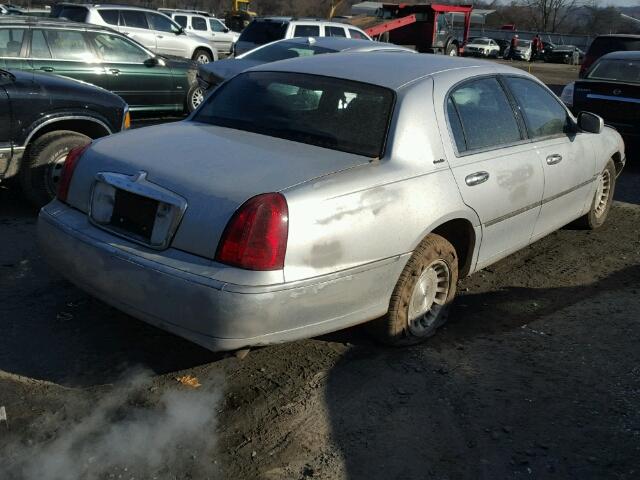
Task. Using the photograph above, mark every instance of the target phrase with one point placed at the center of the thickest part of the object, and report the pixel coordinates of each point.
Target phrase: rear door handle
(553, 159)
(476, 178)
(47, 69)
(114, 71)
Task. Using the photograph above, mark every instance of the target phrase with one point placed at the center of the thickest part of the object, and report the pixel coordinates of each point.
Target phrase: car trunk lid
(617, 103)
(205, 170)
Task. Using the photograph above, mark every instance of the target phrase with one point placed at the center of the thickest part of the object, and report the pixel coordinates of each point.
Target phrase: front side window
(327, 112)
(627, 71)
(11, 41)
(68, 45)
(135, 19)
(216, 26)
(543, 114)
(39, 47)
(161, 23)
(110, 16)
(285, 50)
(485, 115)
(113, 48)
(307, 31)
(199, 23)
(357, 34)
(334, 32)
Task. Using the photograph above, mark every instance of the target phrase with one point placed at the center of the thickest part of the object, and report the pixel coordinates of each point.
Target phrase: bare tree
(549, 15)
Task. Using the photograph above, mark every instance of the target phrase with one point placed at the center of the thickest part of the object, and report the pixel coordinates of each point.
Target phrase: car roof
(619, 35)
(623, 55)
(302, 19)
(107, 6)
(45, 22)
(393, 70)
(343, 43)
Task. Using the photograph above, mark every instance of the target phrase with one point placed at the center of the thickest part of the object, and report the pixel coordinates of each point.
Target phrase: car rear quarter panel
(381, 209)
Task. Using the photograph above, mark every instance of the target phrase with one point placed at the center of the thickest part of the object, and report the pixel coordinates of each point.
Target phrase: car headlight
(567, 94)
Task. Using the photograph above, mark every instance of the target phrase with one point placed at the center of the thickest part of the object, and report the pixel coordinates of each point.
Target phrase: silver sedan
(313, 194)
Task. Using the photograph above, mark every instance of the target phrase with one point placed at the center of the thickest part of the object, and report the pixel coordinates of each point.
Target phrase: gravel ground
(536, 376)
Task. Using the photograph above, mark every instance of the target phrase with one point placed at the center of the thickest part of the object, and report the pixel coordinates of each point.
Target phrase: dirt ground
(537, 375)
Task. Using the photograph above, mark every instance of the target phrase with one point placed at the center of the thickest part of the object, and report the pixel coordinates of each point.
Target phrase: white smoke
(125, 435)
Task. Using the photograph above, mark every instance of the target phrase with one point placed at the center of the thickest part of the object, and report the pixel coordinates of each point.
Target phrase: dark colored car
(569, 54)
(101, 56)
(606, 44)
(43, 117)
(611, 89)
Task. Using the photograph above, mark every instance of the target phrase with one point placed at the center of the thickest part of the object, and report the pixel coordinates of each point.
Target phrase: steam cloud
(120, 438)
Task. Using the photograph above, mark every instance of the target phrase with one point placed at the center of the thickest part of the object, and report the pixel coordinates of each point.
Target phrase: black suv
(44, 116)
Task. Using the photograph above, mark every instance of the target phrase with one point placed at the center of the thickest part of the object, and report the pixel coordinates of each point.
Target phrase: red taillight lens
(256, 236)
(67, 170)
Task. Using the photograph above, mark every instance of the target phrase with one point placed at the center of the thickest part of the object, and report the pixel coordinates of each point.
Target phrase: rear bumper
(179, 297)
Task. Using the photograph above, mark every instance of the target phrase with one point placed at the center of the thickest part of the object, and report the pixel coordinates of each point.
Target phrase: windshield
(627, 71)
(481, 42)
(323, 111)
(284, 50)
(263, 32)
(524, 43)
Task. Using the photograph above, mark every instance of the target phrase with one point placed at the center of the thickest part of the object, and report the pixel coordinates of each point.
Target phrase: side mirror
(590, 122)
(151, 62)
(180, 31)
(226, 30)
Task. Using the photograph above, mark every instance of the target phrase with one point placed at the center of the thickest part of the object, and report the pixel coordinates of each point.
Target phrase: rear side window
(543, 114)
(11, 41)
(485, 115)
(604, 45)
(199, 23)
(133, 18)
(75, 14)
(68, 45)
(263, 32)
(307, 31)
(110, 16)
(181, 20)
(357, 34)
(39, 47)
(334, 32)
(327, 112)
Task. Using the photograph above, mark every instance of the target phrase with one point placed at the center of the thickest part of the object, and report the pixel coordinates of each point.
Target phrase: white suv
(211, 28)
(152, 29)
(269, 29)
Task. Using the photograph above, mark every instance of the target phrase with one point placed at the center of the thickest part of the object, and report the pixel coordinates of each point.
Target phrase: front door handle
(476, 178)
(553, 159)
(159, 36)
(114, 71)
(47, 69)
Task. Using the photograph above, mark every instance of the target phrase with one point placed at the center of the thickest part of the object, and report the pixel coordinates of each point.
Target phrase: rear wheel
(202, 56)
(421, 299)
(42, 164)
(602, 200)
(195, 97)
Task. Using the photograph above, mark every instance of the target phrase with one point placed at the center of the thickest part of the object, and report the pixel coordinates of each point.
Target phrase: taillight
(67, 170)
(256, 236)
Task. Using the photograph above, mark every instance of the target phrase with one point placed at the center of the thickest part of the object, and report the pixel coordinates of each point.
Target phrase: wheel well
(91, 129)
(206, 49)
(460, 234)
(617, 161)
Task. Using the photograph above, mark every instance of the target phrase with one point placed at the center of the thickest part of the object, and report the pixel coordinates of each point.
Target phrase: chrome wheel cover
(603, 193)
(197, 97)
(202, 58)
(428, 297)
(55, 172)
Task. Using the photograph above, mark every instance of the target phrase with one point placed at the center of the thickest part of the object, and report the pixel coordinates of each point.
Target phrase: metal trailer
(426, 26)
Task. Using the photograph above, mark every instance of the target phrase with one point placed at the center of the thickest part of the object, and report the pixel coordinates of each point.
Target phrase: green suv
(103, 57)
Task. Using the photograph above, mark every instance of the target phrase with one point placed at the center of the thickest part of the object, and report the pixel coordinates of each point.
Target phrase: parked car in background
(211, 28)
(169, 11)
(523, 51)
(101, 56)
(604, 44)
(153, 30)
(611, 88)
(10, 10)
(269, 29)
(569, 54)
(213, 74)
(481, 47)
(313, 194)
(42, 118)
(504, 46)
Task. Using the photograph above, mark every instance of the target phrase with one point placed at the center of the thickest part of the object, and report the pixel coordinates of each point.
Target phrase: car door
(133, 23)
(65, 52)
(169, 40)
(567, 157)
(5, 124)
(13, 46)
(497, 170)
(222, 36)
(143, 81)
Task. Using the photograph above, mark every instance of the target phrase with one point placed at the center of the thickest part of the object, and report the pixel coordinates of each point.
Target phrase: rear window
(75, 14)
(285, 50)
(604, 45)
(627, 71)
(263, 32)
(327, 112)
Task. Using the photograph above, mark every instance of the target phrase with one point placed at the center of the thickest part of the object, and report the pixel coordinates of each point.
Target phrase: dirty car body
(353, 165)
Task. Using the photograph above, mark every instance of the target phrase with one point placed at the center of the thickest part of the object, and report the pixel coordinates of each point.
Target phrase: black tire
(195, 96)
(600, 207)
(452, 50)
(42, 164)
(202, 56)
(395, 327)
